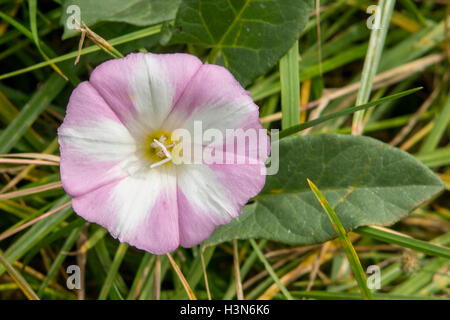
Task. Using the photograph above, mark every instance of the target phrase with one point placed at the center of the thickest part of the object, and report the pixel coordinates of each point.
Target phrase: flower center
(158, 148)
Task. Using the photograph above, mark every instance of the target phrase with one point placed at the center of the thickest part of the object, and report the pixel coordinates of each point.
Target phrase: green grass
(290, 91)
(346, 244)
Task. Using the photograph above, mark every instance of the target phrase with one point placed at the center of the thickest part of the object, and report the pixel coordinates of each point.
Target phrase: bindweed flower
(118, 147)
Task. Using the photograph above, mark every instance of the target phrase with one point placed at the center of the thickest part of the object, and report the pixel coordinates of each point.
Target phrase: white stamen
(164, 149)
(159, 163)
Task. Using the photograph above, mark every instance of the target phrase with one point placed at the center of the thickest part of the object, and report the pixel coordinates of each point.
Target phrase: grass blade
(113, 270)
(195, 273)
(249, 261)
(7, 114)
(422, 277)
(270, 270)
(146, 290)
(27, 224)
(144, 268)
(30, 191)
(23, 285)
(324, 295)
(180, 275)
(146, 32)
(290, 88)
(29, 113)
(373, 57)
(37, 233)
(32, 5)
(436, 158)
(439, 128)
(237, 271)
(299, 127)
(386, 235)
(352, 257)
(70, 241)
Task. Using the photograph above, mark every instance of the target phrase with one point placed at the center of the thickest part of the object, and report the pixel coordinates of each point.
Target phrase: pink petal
(196, 224)
(215, 97)
(212, 196)
(157, 209)
(94, 145)
(140, 210)
(142, 88)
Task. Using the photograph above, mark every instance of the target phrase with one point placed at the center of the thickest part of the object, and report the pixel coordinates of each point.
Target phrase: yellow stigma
(158, 147)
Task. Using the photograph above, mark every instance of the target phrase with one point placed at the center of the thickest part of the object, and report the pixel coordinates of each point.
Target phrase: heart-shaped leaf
(137, 12)
(366, 181)
(247, 36)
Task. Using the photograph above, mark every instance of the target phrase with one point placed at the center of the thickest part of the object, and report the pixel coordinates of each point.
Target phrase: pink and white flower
(115, 138)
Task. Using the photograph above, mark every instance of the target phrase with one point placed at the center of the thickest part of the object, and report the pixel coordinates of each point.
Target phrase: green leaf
(367, 182)
(248, 37)
(137, 12)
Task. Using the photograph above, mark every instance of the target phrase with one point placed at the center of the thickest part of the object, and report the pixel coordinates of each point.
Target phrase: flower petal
(125, 101)
(140, 210)
(142, 88)
(214, 97)
(95, 147)
(209, 196)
